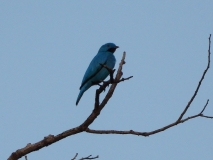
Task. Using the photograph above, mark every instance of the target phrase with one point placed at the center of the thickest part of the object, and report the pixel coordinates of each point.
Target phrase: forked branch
(180, 118)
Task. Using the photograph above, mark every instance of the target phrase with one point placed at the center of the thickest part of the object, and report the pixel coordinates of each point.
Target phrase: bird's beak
(116, 47)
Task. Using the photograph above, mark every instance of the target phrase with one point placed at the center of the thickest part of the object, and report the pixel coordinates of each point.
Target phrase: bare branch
(114, 83)
(199, 84)
(145, 134)
(113, 86)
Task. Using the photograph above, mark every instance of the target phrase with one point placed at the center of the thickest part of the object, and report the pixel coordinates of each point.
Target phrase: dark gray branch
(199, 84)
(145, 134)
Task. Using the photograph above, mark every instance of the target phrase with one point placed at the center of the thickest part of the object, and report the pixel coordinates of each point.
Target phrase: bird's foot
(98, 83)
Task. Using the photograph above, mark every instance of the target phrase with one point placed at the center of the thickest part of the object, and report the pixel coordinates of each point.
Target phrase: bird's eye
(108, 46)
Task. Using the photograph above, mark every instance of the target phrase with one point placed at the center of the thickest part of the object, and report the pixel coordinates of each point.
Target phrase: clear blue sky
(46, 46)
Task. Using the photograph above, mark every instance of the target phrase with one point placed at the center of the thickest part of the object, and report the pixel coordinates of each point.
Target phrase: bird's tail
(82, 90)
(79, 96)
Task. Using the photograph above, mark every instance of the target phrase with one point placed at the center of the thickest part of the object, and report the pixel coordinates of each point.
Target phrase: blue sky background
(46, 46)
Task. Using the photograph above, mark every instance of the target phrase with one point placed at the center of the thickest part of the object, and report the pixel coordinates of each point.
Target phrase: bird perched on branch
(96, 72)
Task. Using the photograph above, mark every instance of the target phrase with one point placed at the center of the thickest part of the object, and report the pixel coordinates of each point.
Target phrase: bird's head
(108, 47)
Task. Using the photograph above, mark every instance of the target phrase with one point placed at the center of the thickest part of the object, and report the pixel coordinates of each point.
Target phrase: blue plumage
(95, 72)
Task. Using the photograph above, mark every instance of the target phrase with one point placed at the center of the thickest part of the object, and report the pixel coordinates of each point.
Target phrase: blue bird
(95, 72)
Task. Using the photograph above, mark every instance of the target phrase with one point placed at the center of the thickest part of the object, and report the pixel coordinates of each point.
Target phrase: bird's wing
(94, 68)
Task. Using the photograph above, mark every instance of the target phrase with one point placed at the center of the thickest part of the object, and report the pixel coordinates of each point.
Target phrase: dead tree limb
(98, 108)
(81, 128)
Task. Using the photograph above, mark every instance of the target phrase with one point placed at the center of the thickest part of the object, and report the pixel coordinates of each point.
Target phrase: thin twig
(204, 106)
(84, 158)
(89, 157)
(211, 117)
(123, 79)
(75, 156)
